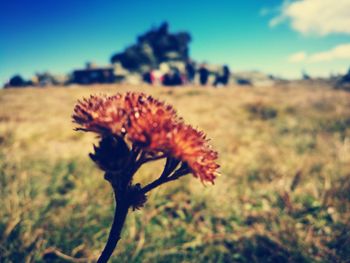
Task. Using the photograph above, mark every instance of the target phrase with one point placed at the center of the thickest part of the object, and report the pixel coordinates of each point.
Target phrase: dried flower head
(101, 114)
(149, 125)
(149, 121)
(191, 146)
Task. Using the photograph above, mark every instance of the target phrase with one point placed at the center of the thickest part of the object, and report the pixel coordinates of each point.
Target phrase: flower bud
(112, 154)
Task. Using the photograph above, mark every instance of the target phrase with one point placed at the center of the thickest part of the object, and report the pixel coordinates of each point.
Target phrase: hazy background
(274, 36)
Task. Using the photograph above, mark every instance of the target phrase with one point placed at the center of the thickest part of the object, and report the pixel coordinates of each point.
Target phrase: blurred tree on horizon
(154, 47)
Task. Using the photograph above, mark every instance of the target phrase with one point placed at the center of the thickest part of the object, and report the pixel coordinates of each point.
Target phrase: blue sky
(273, 36)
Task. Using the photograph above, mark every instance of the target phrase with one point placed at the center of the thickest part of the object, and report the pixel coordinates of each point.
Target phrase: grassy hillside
(284, 193)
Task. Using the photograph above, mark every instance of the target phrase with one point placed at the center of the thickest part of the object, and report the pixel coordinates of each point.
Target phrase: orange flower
(150, 125)
(101, 114)
(149, 121)
(191, 147)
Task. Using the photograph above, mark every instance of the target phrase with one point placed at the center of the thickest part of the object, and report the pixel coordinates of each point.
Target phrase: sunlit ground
(283, 195)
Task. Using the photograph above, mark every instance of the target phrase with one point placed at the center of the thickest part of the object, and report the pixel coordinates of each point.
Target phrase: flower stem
(163, 180)
(121, 211)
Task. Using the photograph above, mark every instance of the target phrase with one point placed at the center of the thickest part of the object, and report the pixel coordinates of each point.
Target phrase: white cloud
(297, 57)
(319, 17)
(340, 52)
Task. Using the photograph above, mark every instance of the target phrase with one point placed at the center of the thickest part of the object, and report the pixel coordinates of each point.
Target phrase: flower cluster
(149, 125)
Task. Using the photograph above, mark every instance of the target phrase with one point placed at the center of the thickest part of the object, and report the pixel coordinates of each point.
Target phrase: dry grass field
(283, 196)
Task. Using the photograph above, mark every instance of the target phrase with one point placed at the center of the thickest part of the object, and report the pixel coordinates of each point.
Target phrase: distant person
(156, 77)
(305, 76)
(177, 78)
(224, 78)
(172, 78)
(344, 82)
(346, 77)
(190, 71)
(147, 77)
(226, 75)
(203, 75)
(166, 79)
